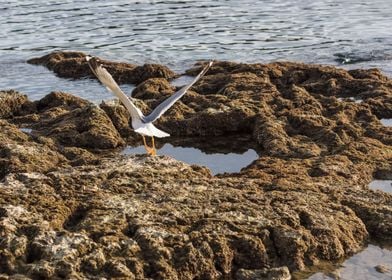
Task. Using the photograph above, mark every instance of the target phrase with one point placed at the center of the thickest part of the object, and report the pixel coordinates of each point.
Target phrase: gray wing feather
(167, 103)
(107, 80)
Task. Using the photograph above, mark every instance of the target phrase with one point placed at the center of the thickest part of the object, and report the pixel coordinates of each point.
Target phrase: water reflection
(182, 80)
(26, 130)
(386, 122)
(351, 98)
(382, 185)
(216, 162)
(362, 266)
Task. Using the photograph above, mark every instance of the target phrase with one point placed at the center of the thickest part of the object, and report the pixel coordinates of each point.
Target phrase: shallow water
(216, 162)
(26, 130)
(351, 33)
(182, 80)
(386, 122)
(354, 99)
(383, 185)
(37, 81)
(361, 266)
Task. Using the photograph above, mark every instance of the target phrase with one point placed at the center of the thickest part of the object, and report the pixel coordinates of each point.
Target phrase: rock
(336, 274)
(87, 127)
(118, 269)
(70, 64)
(382, 268)
(18, 153)
(147, 71)
(78, 156)
(67, 64)
(119, 116)
(281, 273)
(311, 120)
(68, 212)
(61, 99)
(154, 88)
(143, 209)
(231, 97)
(366, 207)
(72, 121)
(211, 123)
(13, 103)
(372, 73)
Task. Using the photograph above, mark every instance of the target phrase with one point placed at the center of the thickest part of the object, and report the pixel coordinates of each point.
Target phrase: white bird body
(148, 129)
(140, 123)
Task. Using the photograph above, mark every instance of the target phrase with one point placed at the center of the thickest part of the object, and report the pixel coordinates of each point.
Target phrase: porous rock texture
(71, 64)
(77, 209)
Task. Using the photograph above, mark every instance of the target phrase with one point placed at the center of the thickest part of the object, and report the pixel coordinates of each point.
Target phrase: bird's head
(93, 62)
(90, 58)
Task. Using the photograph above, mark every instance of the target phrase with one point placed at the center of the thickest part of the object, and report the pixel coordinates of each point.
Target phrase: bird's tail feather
(151, 130)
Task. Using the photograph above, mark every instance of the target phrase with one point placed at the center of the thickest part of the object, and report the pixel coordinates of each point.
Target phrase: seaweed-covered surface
(72, 206)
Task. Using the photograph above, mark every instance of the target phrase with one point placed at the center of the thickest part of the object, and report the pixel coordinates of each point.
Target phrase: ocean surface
(350, 33)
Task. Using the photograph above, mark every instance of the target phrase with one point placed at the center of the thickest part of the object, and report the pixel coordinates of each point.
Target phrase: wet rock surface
(19, 153)
(70, 121)
(72, 207)
(70, 64)
(12, 103)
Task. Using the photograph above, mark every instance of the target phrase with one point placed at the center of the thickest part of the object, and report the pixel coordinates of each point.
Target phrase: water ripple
(355, 33)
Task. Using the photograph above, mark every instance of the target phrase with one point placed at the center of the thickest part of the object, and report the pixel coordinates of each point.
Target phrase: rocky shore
(72, 207)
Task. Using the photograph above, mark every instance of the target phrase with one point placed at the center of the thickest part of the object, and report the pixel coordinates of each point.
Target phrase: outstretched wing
(167, 103)
(107, 80)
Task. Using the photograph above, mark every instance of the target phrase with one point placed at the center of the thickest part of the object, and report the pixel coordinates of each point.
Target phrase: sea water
(349, 33)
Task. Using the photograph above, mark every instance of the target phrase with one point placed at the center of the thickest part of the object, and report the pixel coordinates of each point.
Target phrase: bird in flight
(140, 123)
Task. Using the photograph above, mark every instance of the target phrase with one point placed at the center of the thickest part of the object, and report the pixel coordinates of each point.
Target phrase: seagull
(141, 124)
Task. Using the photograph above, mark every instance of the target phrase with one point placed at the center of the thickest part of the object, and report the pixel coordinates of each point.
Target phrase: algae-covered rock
(19, 153)
(87, 127)
(71, 64)
(69, 212)
(140, 217)
(13, 103)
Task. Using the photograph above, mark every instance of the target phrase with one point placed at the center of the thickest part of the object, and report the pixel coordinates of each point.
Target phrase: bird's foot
(151, 151)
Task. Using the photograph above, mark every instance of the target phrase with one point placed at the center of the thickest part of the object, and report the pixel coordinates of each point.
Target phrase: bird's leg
(148, 149)
(153, 150)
